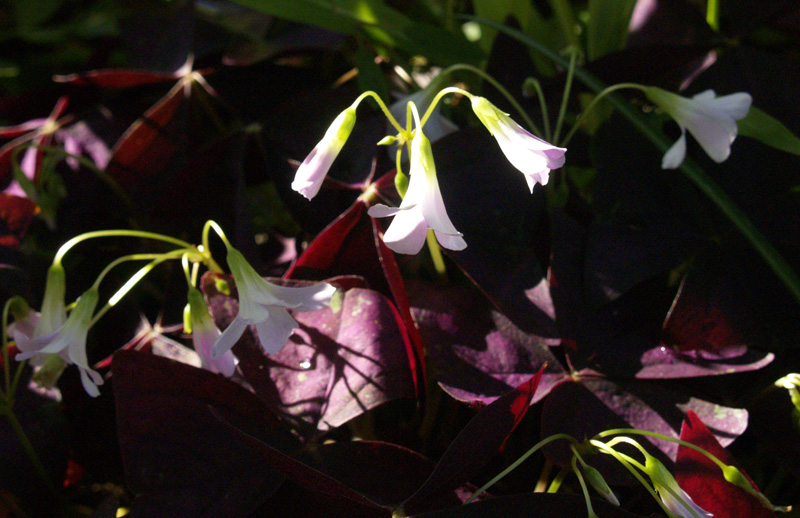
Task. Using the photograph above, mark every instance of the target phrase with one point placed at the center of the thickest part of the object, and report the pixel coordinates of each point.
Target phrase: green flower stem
(135, 278)
(8, 411)
(712, 14)
(635, 431)
(710, 188)
(206, 250)
(555, 485)
(116, 233)
(519, 461)
(626, 462)
(543, 106)
(383, 107)
(436, 254)
(562, 110)
(574, 465)
(492, 81)
(595, 101)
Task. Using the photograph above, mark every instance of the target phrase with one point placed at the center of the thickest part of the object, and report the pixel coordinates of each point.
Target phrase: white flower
(264, 304)
(710, 119)
(70, 337)
(674, 498)
(52, 317)
(311, 173)
(422, 206)
(534, 157)
(205, 333)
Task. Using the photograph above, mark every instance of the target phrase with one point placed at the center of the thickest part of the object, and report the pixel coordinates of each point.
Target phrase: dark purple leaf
(586, 407)
(664, 362)
(179, 458)
(475, 446)
(531, 505)
(504, 248)
(16, 213)
(341, 362)
(478, 354)
(702, 479)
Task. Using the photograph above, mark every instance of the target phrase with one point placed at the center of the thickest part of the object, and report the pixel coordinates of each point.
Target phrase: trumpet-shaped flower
(674, 498)
(70, 337)
(264, 305)
(534, 157)
(422, 207)
(34, 325)
(710, 119)
(205, 334)
(309, 176)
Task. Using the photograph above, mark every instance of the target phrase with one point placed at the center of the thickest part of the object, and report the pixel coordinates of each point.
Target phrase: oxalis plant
(273, 396)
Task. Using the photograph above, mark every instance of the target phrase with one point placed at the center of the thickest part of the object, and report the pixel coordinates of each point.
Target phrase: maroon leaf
(179, 458)
(479, 355)
(351, 244)
(117, 78)
(341, 362)
(475, 446)
(703, 480)
(16, 214)
(531, 505)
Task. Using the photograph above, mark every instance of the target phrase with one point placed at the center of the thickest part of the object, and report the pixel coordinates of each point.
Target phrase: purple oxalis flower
(264, 305)
(534, 157)
(205, 333)
(312, 171)
(710, 119)
(422, 207)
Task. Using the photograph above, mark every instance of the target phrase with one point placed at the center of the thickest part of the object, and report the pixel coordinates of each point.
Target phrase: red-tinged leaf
(116, 78)
(305, 475)
(342, 361)
(703, 480)
(478, 354)
(531, 505)
(15, 215)
(351, 244)
(475, 446)
(179, 457)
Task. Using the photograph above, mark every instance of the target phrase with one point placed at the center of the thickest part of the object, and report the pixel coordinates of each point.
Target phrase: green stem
(543, 107)
(712, 14)
(635, 431)
(566, 18)
(436, 254)
(589, 508)
(710, 188)
(555, 485)
(519, 461)
(492, 81)
(562, 110)
(117, 233)
(594, 103)
(382, 106)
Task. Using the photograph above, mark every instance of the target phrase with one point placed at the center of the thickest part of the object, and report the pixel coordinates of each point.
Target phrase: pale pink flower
(205, 334)
(710, 119)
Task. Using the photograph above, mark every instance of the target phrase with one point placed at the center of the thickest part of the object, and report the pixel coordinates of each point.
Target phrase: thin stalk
(635, 431)
(692, 171)
(562, 110)
(584, 489)
(519, 461)
(116, 233)
(436, 254)
(555, 485)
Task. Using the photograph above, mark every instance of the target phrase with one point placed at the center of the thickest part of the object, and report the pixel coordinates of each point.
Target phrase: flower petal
(406, 233)
(304, 298)
(228, 338)
(274, 332)
(675, 155)
(90, 380)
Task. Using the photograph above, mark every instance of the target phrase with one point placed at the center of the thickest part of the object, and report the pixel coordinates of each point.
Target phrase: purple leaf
(341, 362)
(479, 354)
(179, 458)
(475, 446)
(586, 407)
(665, 363)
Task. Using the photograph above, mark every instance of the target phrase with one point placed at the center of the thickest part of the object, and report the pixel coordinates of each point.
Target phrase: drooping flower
(70, 337)
(309, 176)
(596, 480)
(205, 333)
(675, 499)
(422, 207)
(534, 157)
(264, 305)
(35, 325)
(710, 119)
